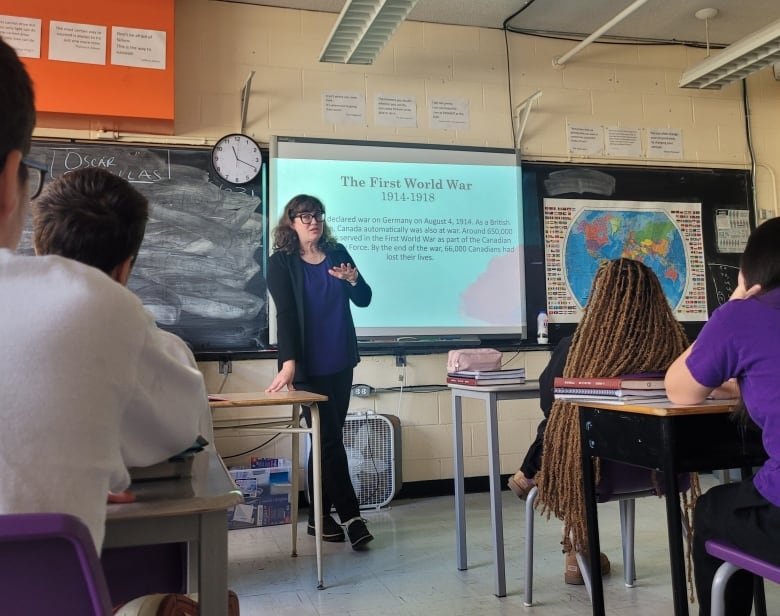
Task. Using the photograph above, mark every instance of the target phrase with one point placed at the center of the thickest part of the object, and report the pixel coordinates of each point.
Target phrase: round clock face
(237, 159)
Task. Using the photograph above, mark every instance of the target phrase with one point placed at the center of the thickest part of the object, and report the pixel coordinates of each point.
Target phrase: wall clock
(237, 158)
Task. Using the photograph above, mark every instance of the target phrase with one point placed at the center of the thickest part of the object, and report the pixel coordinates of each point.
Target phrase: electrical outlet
(225, 366)
(361, 391)
(400, 360)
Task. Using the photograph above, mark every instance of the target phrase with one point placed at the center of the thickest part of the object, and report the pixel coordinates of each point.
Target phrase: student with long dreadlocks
(740, 341)
(627, 327)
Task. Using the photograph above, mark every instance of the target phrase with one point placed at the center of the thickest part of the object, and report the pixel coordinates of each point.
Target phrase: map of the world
(646, 236)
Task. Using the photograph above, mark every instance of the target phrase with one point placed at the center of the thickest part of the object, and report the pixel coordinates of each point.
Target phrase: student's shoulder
(76, 283)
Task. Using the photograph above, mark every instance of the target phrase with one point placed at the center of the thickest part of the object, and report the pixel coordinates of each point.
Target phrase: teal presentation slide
(437, 233)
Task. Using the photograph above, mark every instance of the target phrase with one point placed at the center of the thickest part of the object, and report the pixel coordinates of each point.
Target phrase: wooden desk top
(210, 488)
(663, 409)
(262, 398)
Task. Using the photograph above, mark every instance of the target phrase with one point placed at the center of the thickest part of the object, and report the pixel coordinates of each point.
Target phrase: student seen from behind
(737, 353)
(98, 218)
(627, 327)
(88, 383)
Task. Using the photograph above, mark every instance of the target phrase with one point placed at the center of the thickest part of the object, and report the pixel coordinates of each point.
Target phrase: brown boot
(572, 574)
(520, 484)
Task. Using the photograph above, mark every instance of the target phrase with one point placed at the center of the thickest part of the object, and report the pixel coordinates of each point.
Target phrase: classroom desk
(289, 424)
(491, 395)
(669, 438)
(191, 509)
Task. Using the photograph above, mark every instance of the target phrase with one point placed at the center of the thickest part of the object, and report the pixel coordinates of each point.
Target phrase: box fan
(373, 444)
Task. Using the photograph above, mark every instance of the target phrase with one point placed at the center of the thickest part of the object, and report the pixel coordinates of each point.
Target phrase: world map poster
(581, 233)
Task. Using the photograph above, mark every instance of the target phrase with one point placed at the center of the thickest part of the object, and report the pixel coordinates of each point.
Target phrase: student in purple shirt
(737, 353)
(312, 280)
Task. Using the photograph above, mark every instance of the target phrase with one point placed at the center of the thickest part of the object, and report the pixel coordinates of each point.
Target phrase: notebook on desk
(176, 467)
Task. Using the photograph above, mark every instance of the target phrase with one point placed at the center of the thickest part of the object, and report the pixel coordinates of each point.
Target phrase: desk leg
(212, 564)
(460, 503)
(591, 519)
(496, 510)
(317, 478)
(296, 456)
(676, 553)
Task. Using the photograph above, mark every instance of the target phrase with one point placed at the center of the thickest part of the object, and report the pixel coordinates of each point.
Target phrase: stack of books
(639, 388)
(515, 376)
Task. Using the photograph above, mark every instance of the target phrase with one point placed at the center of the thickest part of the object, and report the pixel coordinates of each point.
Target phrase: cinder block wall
(219, 43)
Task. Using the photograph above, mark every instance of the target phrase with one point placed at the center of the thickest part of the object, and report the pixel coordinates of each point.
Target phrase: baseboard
(437, 487)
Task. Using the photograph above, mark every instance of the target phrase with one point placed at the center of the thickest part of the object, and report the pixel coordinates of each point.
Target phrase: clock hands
(250, 165)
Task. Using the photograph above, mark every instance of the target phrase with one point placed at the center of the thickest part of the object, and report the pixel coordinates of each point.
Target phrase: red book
(653, 381)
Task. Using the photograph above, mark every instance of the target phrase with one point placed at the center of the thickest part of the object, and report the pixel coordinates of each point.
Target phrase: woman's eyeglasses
(36, 172)
(307, 217)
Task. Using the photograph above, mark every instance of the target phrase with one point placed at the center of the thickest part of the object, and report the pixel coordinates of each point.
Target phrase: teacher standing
(312, 280)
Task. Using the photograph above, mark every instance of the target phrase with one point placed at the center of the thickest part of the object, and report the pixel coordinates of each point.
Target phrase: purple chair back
(49, 565)
(735, 559)
(728, 553)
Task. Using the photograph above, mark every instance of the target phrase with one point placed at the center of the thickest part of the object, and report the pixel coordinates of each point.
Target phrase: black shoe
(331, 530)
(359, 536)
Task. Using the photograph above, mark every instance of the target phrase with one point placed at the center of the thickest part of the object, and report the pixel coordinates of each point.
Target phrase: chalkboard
(200, 268)
(722, 193)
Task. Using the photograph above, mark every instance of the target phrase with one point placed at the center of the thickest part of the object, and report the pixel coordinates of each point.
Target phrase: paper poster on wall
(667, 237)
(585, 140)
(138, 47)
(664, 143)
(344, 108)
(732, 229)
(394, 110)
(449, 113)
(624, 142)
(72, 42)
(23, 34)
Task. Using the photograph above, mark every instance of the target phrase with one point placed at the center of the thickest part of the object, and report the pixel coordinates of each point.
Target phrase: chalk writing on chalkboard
(724, 279)
(199, 270)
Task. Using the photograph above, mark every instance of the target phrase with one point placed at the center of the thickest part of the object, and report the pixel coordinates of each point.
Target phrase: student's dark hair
(92, 216)
(760, 262)
(17, 104)
(285, 237)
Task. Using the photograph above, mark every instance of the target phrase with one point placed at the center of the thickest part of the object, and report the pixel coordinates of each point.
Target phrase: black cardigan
(285, 282)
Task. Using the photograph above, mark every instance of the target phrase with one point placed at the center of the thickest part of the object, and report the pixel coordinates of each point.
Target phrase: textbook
(626, 399)
(608, 393)
(490, 374)
(650, 381)
(467, 380)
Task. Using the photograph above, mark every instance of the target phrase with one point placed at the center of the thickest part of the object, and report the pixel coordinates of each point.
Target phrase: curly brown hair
(285, 237)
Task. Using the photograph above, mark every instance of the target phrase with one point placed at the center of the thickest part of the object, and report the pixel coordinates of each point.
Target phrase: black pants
(738, 514)
(532, 463)
(337, 487)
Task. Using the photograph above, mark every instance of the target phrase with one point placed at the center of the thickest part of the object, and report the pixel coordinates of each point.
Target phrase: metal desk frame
(491, 396)
(289, 425)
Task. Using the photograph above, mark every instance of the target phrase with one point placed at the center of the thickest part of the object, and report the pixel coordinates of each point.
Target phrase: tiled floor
(410, 567)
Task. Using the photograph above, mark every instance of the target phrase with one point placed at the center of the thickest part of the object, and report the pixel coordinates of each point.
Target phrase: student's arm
(164, 409)
(681, 387)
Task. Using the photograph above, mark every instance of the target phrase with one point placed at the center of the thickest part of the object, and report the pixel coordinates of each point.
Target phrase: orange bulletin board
(101, 96)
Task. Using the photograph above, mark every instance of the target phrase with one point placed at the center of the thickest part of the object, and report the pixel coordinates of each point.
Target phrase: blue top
(284, 273)
(742, 340)
(325, 350)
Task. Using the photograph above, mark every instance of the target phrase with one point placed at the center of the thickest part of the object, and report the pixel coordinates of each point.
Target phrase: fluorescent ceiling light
(738, 60)
(363, 28)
